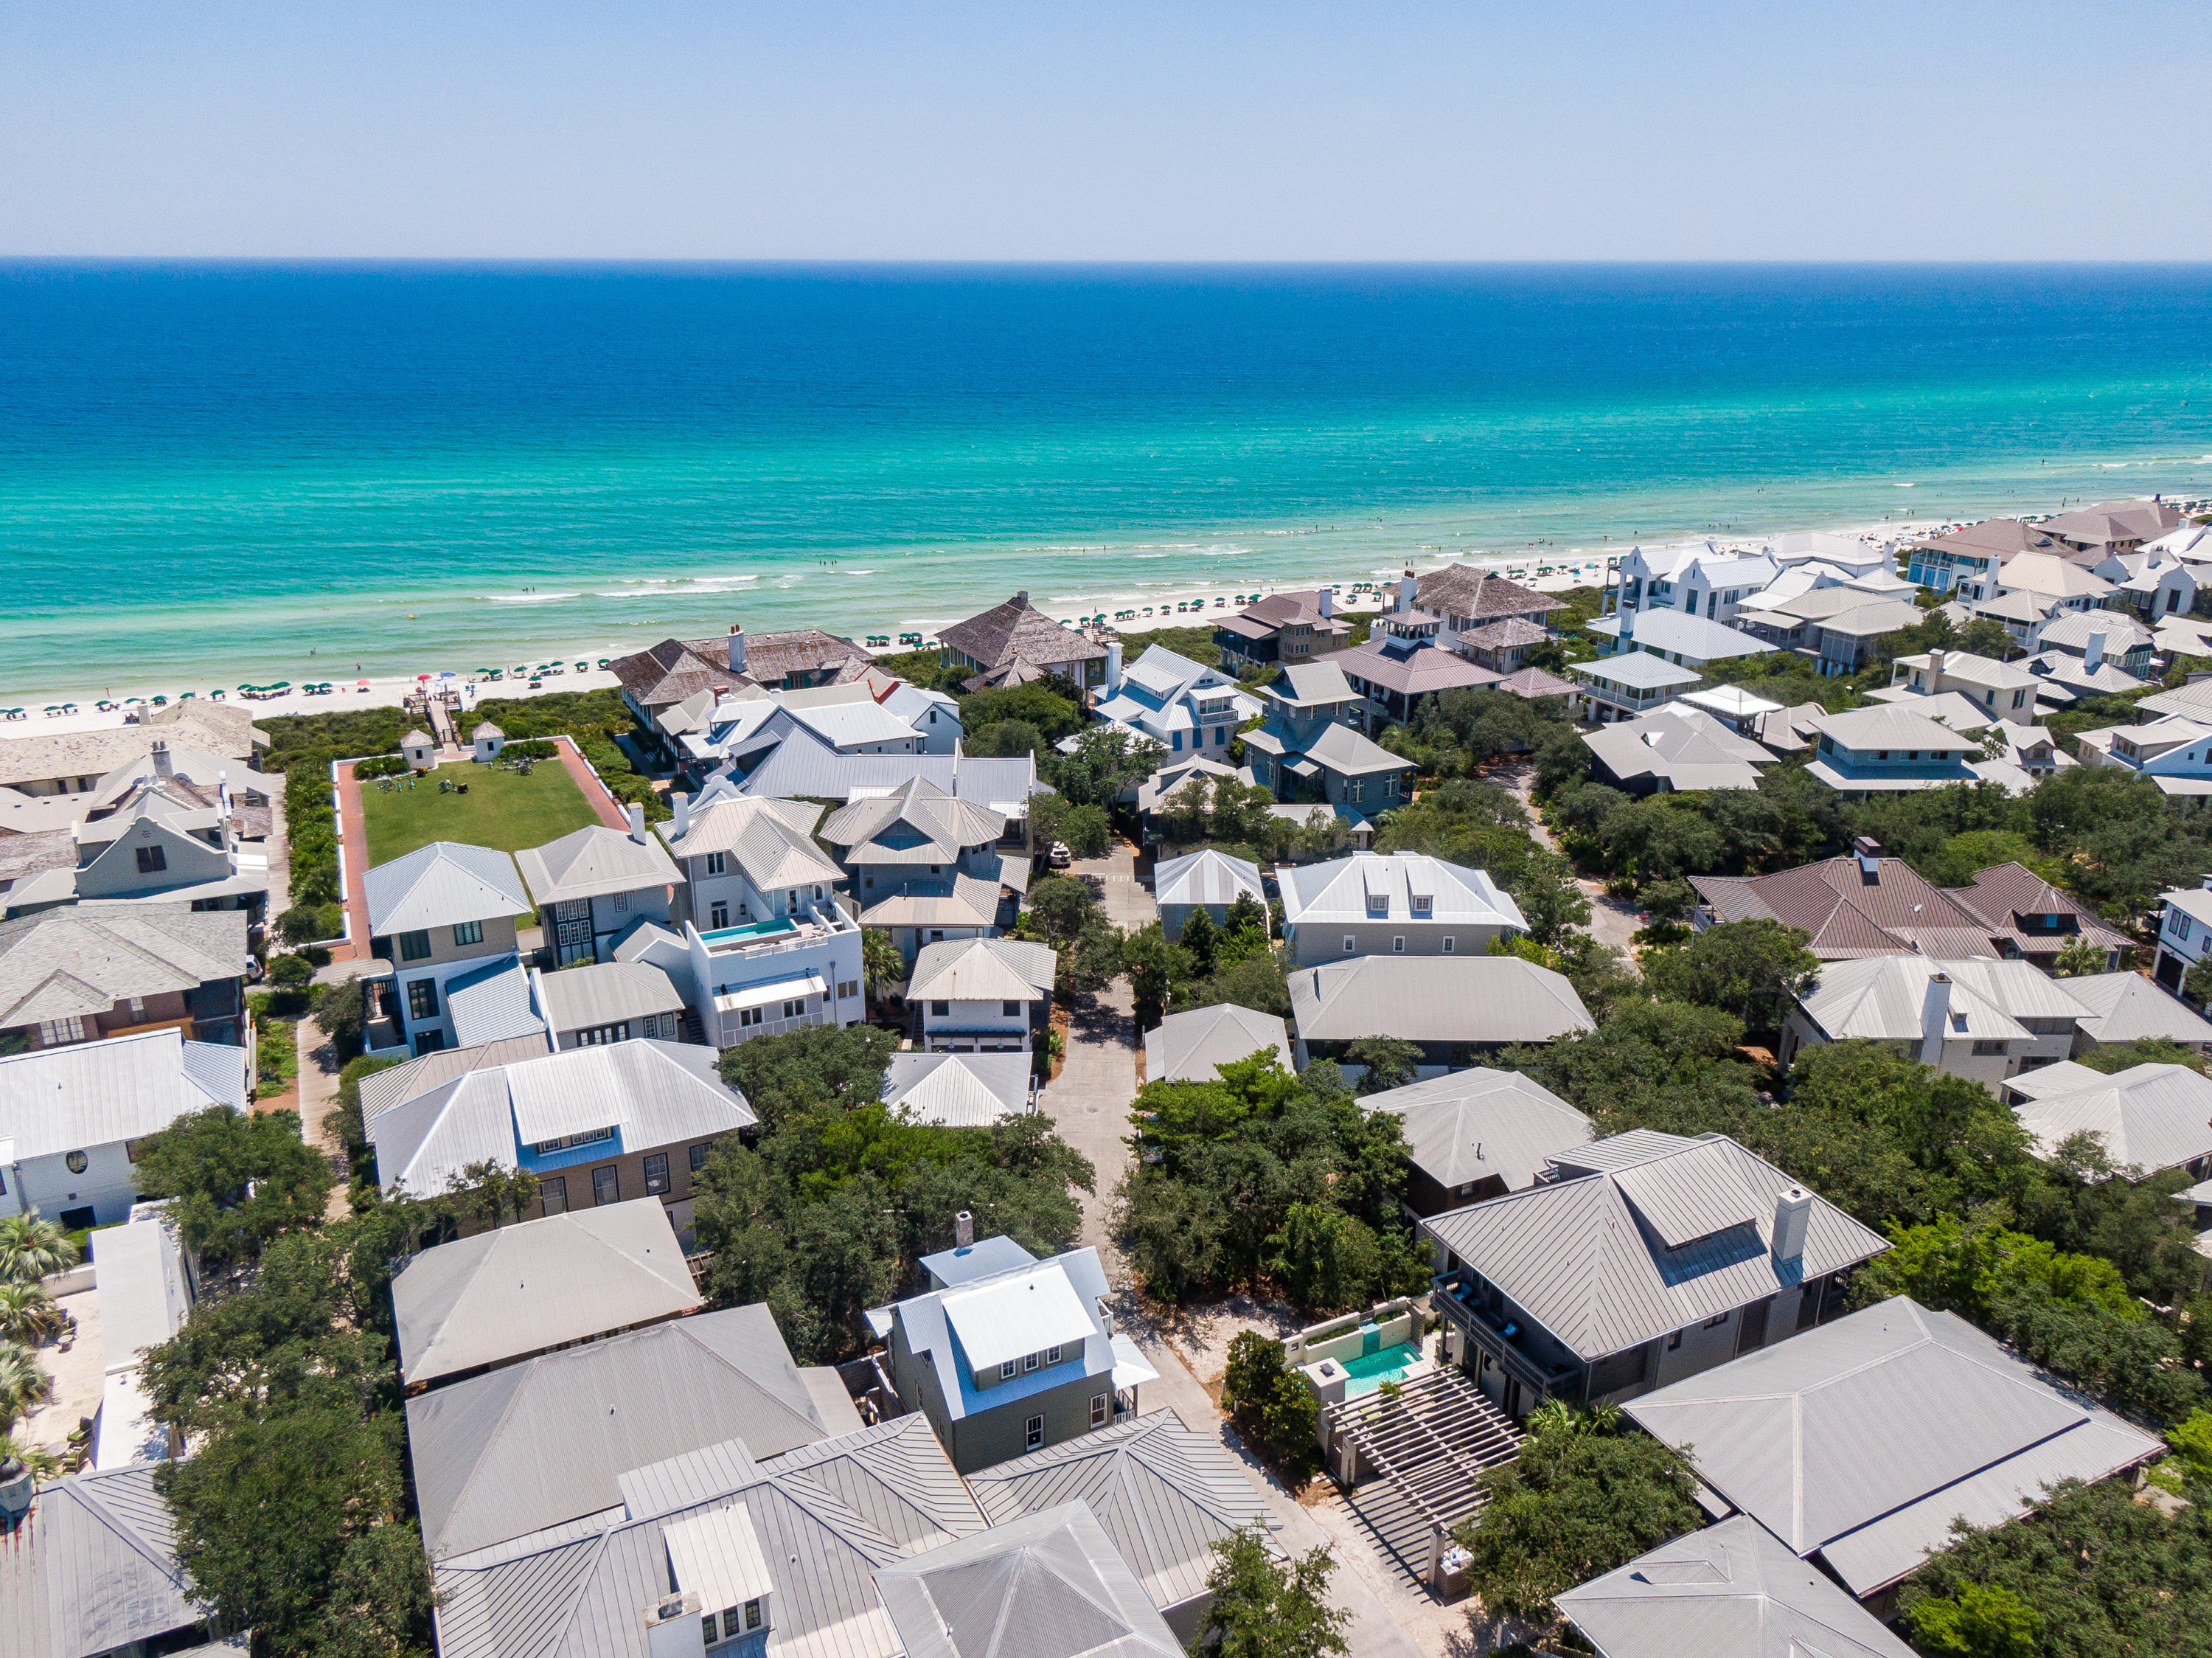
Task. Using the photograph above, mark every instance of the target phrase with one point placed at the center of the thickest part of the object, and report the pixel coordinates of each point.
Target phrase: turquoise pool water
(1371, 1370)
(751, 930)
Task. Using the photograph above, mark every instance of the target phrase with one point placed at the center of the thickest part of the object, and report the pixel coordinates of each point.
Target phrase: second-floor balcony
(1509, 1344)
(778, 935)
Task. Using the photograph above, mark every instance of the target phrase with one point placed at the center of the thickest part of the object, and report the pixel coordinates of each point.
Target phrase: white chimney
(164, 766)
(1327, 602)
(1934, 1014)
(737, 647)
(1868, 851)
(963, 1230)
(1408, 587)
(1934, 663)
(2092, 658)
(1793, 1213)
(673, 1628)
(637, 822)
(680, 803)
(1627, 626)
(1113, 667)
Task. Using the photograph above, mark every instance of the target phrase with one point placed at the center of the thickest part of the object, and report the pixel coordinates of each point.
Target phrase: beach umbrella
(420, 678)
(282, 684)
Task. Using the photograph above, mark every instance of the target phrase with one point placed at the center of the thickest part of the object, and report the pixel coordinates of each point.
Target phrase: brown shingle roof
(1480, 594)
(1018, 631)
(1413, 673)
(770, 658)
(1999, 895)
(2002, 536)
(1850, 915)
(668, 672)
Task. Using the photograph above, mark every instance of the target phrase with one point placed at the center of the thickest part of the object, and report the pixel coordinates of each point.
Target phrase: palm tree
(41, 1463)
(28, 1314)
(31, 1248)
(22, 1383)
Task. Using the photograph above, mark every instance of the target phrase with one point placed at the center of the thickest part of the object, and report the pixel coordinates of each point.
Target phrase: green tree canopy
(1264, 1608)
(238, 1178)
(1271, 1404)
(822, 1064)
(1753, 969)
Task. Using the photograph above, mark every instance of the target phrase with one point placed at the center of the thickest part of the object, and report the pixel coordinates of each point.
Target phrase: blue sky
(655, 129)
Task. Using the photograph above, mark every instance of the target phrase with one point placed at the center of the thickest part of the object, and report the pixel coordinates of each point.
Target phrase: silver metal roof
(1468, 1125)
(1676, 752)
(1640, 670)
(441, 884)
(492, 1004)
(406, 1080)
(546, 1440)
(1882, 998)
(1733, 1590)
(981, 970)
(96, 1093)
(1048, 1585)
(523, 1288)
(958, 1090)
(1861, 1440)
(1163, 1494)
(604, 992)
(92, 1568)
(1346, 889)
(1586, 1258)
(998, 1323)
(594, 861)
(919, 822)
(1206, 877)
(804, 767)
(2127, 1007)
(827, 1518)
(2149, 1118)
(1471, 998)
(1192, 1047)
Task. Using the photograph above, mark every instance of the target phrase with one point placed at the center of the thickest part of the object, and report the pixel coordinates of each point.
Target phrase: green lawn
(501, 809)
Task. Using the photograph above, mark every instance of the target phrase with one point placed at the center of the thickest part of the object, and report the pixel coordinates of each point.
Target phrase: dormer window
(1423, 904)
(1378, 903)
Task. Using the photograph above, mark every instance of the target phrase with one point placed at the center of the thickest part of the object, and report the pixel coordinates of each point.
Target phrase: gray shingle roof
(1733, 1590)
(605, 993)
(594, 861)
(485, 1468)
(96, 1093)
(1192, 1047)
(1468, 1125)
(1862, 1440)
(92, 1569)
(1476, 591)
(440, 885)
(523, 1288)
(1163, 1494)
(69, 962)
(958, 1090)
(1588, 1258)
(1429, 998)
(1048, 1585)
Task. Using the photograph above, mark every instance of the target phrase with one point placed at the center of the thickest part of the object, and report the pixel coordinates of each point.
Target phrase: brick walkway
(609, 808)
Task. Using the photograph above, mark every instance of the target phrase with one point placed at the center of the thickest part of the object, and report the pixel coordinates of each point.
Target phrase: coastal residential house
(2184, 931)
(592, 885)
(1694, 581)
(171, 842)
(442, 911)
(981, 995)
(1309, 752)
(1453, 1008)
(1204, 880)
(1016, 642)
(92, 1569)
(1180, 784)
(926, 866)
(1644, 1258)
(146, 1289)
(1469, 598)
(1390, 904)
(1675, 636)
(2053, 582)
(1475, 1135)
(1675, 748)
(2028, 916)
(1162, 1494)
(2152, 582)
(614, 1406)
(1966, 561)
(1173, 701)
(1889, 750)
(1280, 630)
(1979, 1017)
(834, 1513)
(1835, 628)
(2001, 690)
(1862, 904)
(669, 673)
(78, 762)
(2148, 1119)
(1625, 687)
(1403, 665)
(2064, 679)
(512, 1293)
(2090, 534)
(1734, 1590)
(2111, 636)
(595, 1125)
(77, 975)
(803, 767)
(72, 1117)
(1968, 1431)
(2174, 751)
(960, 1090)
(1193, 1047)
(601, 1002)
(1007, 1359)
(742, 859)
(1502, 648)
(2127, 1007)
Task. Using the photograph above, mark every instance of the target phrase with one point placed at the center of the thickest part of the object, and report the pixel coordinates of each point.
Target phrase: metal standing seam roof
(1585, 1257)
(440, 885)
(983, 970)
(1862, 1440)
(936, 825)
(541, 1283)
(92, 1568)
(1734, 1590)
(60, 963)
(1411, 673)
(1882, 998)
(491, 1003)
(482, 1447)
(2002, 893)
(1343, 889)
(594, 861)
(2150, 1117)
(1640, 671)
(1680, 633)
(1677, 753)
(849, 724)
(1312, 682)
(1471, 1124)
(414, 1077)
(1017, 1312)
(125, 1088)
(1206, 877)
(1193, 1047)
(773, 841)
(804, 767)
(1332, 746)
(973, 902)
(1048, 1585)
(605, 993)
(958, 1090)
(826, 1516)
(1429, 998)
(930, 1338)
(1162, 1494)
(2128, 1007)
(2048, 575)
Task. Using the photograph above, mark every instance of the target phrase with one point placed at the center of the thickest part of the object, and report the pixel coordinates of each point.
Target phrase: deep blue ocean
(209, 471)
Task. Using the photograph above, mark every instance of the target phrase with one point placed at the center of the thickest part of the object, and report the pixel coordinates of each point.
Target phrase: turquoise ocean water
(209, 471)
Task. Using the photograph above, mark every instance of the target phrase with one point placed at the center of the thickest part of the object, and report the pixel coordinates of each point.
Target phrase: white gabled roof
(1206, 877)
(1193, 1047)
(1468, 1126)
(594, 861)
(958, 1090)
(1017, 1312)
(2148, 1117)
(1881, 998)
(98, 1093)
(2127, 1007)
(1324, 894)
(441, 884)
(981, 970)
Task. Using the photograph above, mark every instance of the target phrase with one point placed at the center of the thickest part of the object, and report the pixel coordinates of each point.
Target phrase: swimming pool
(749, 932)
(1364, 1375)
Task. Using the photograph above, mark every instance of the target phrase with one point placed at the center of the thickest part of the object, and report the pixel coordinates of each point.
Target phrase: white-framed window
(1052, 1355)
(1398, 944)
(1029, 1362)
(1098, 1409)
(1350, 944)
(1424, 905)
(1033, 1433)
(1452, 944)
(718, 863)
(1006, 1369)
